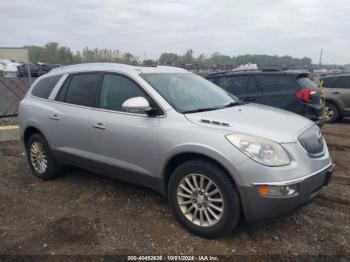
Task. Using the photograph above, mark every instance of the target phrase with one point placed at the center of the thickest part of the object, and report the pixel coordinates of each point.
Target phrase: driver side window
(116, 89)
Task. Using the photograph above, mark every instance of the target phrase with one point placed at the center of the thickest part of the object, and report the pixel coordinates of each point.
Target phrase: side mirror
(137, 104)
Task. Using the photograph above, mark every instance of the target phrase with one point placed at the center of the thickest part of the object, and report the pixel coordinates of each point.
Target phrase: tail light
(306, 93)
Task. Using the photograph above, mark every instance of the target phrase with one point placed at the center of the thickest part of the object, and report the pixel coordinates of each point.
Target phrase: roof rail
(258, 70)
(247, 70)
(84, 65)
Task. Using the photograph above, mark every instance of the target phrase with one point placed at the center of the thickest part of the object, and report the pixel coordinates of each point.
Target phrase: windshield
(189, 93)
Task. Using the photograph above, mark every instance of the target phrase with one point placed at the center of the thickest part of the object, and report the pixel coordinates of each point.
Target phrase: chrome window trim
(126, 113)
(294, 181)
(57, 87)
(58, 84)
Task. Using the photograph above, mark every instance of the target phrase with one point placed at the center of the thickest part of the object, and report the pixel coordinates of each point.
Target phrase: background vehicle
(36, 70)
(9, 68)
(46, 67)
(337, 97)
(173, 131)
(23, 70)
(292, 91)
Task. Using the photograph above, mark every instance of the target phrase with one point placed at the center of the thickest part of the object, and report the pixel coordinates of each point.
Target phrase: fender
(204, 151)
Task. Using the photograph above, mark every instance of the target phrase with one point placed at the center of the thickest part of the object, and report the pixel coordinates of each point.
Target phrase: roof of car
(328, 76)
(89, 67)
(259, 72)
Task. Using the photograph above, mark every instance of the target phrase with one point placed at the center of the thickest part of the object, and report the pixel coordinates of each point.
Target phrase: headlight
(261, 150)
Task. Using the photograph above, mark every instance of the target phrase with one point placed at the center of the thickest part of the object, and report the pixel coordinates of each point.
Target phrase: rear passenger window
(45, 86)
(343, 82)
(306, 82)
(116, 90)
(275, 83)
(252, 86)
(82, 89)
(328, 81)
(234, 85)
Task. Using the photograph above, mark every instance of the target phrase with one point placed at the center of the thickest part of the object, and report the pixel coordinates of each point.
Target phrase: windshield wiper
(200, 110)
(236, 103)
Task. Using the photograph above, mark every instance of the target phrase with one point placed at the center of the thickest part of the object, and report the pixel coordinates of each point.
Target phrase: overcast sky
(282, 27)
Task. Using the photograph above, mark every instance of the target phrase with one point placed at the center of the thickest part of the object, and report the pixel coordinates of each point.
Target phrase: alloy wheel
(200, 200)
(38, 157)
(328, 113)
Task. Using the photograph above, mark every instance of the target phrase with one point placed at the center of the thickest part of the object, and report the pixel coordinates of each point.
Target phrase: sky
(297, 28)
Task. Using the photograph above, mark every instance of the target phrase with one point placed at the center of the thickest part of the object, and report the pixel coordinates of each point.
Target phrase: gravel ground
(8, 121)
(84, 213)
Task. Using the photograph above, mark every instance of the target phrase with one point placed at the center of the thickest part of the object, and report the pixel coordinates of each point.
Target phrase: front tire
(204, 199)
(40, 158)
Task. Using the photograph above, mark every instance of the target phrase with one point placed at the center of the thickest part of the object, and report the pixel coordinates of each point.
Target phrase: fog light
(267, 190)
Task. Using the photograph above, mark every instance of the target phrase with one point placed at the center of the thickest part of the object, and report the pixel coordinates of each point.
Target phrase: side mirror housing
(137, 104)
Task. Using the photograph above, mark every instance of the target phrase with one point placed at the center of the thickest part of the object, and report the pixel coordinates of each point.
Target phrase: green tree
(188, 56)
(168, 59)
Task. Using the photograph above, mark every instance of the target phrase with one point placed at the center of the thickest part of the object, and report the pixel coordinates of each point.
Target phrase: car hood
(260, 120)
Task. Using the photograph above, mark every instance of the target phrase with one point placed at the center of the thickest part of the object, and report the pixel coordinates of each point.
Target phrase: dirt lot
(83, 213)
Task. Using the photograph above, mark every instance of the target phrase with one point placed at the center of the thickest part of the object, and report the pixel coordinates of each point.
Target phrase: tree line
(54, 53)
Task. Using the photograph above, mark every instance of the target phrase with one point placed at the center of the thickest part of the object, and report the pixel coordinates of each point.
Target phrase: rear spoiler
(299, 74)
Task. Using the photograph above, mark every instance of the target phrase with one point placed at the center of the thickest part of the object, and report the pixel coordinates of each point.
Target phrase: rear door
(242, 86)
(71, 122)
(341, 92)
(279, 90)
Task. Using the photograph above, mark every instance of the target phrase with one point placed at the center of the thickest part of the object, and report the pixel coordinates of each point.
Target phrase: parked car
(36, 70)
(46, 67)
(217, 160)
(9, 68)
(292, 91)
(24, 69)
(337, 97)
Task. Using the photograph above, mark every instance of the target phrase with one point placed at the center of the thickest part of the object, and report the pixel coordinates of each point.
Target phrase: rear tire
(205, 213)
(40, 158)
(332, 113)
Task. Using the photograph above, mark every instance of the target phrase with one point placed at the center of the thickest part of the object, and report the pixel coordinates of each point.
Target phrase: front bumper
(257, 207)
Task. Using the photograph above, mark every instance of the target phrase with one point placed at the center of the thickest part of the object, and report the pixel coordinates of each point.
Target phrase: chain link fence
(12, 90)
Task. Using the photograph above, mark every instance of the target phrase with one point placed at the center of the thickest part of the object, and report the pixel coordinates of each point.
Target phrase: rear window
(82, 89)
(45, 86)
(275, 83)
(306, 82)
(343, 82)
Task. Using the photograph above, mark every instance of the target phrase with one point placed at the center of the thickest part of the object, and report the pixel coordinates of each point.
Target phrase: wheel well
(335, 104)
(28, 133)
(183, 157)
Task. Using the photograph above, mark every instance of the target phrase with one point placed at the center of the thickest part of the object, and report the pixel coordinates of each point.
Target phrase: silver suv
(216, 158)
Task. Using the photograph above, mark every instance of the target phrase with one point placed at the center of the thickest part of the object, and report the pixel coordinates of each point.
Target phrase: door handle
(54, 117)
(99, 126)
(336, 93)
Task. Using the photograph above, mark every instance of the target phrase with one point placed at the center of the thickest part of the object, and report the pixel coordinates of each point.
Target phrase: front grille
(312, 141)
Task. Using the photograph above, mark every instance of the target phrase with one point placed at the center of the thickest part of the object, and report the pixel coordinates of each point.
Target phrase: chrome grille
(312, 141)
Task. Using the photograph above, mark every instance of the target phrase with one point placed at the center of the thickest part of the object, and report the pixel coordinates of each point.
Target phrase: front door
(123, 144)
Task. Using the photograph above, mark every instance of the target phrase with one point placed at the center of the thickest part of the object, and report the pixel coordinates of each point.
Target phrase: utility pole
(320, 61)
